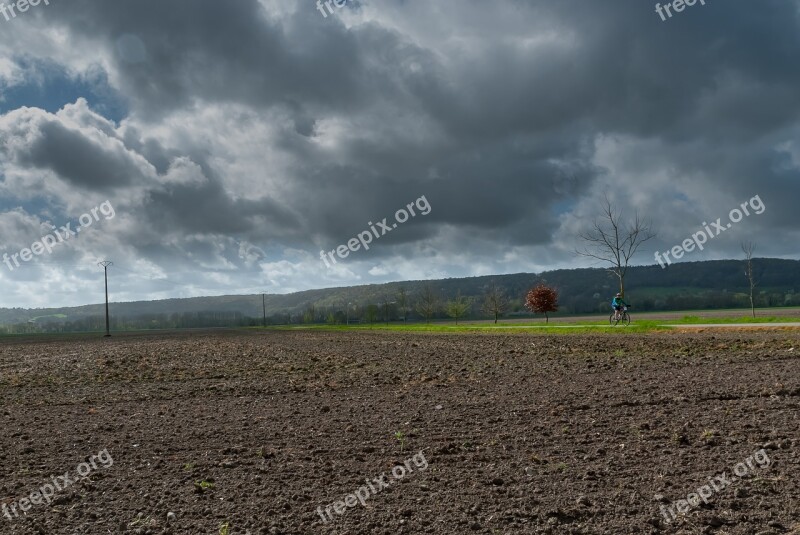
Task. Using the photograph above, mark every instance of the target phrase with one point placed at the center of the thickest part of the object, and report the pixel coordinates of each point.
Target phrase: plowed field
(259, 431)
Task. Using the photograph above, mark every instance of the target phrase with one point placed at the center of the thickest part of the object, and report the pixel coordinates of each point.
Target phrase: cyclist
(617, 304)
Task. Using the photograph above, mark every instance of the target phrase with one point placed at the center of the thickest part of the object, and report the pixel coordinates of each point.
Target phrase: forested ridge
(684, 286)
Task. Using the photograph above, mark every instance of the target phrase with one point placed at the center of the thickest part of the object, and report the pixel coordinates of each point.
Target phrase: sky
(219, 147)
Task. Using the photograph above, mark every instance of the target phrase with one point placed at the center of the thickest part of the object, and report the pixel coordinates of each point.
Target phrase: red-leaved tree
(541, 300)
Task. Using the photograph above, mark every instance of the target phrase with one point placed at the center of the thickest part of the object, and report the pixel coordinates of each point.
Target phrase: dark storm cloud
(621, 52)
(206, 207)
(156, 154)
(511, 117)
(220, 51)
(609, 68)
(79, 161)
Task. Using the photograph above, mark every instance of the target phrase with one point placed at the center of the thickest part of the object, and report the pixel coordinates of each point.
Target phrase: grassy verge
(600, 325)
(539, 328)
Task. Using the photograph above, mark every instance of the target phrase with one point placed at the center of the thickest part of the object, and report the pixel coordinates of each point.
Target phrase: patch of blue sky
(50, 87)
(563, 206)
(32, 206)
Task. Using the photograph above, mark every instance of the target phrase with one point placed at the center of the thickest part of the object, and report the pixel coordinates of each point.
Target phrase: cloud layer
(236, 140)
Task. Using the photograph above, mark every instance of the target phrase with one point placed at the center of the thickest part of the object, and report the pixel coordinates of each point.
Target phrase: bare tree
(402, 301)
(372, 313)
(386, 306)
(458, 307)
(748, 248)
(495, 301)
(428, 303)
(615, 241)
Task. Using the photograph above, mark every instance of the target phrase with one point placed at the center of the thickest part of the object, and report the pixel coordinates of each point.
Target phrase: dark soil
(522, 433)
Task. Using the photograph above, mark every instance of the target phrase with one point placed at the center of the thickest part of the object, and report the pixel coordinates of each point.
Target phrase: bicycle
(624, 318)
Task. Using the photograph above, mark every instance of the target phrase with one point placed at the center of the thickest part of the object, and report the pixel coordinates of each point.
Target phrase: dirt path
(767, 326)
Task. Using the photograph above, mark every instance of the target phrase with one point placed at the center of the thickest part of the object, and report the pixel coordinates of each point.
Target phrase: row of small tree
(495, 303)
(541, 300)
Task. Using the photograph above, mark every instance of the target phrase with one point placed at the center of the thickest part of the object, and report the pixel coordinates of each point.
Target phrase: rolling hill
(683, 286)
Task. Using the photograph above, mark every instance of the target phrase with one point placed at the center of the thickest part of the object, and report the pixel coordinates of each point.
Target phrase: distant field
(788, 313)
(642, 322)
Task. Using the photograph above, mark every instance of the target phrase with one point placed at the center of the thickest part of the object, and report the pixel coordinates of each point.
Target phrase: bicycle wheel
(611, 320)
(626, 319)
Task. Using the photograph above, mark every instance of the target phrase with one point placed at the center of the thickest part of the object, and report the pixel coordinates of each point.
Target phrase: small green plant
(560, 467)
(707, 434)
(140, 520)
(203, 485)
(225, 529)
(188, 467)
(619, 353)
(401, 437)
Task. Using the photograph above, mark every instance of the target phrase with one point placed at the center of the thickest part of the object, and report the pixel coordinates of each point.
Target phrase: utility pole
(105, 264)
(264, 305)
(748, 249)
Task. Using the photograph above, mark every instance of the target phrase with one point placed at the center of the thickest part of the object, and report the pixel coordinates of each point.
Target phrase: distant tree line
(684, 286)
(142, 322)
